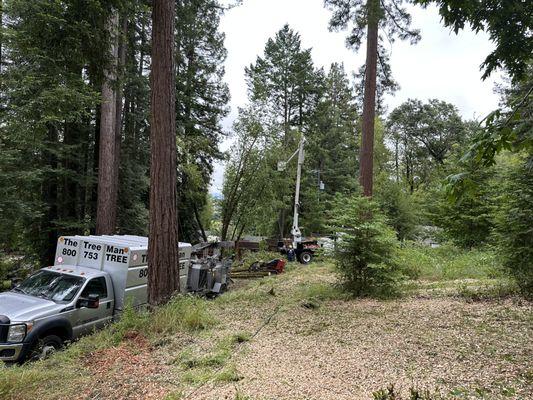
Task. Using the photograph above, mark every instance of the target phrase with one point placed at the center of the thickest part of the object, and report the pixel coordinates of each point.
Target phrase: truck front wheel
(46, 346)
(306, 257)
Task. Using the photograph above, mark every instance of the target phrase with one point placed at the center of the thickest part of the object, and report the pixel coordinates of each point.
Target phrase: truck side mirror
(92, 301)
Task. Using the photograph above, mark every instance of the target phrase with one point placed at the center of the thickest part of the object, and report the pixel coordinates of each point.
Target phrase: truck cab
(51, 307)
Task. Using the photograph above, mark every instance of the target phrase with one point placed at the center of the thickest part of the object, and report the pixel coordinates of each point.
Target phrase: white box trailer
(124, 258)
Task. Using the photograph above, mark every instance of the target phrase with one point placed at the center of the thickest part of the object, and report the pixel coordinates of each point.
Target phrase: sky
(442, 65)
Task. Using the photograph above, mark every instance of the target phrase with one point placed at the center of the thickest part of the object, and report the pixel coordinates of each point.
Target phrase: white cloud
(442, 65)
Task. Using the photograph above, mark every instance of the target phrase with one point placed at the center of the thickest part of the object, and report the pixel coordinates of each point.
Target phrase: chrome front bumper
(6, 351)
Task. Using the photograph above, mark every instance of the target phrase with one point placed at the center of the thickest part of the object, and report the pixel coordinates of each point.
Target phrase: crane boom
(296, 233)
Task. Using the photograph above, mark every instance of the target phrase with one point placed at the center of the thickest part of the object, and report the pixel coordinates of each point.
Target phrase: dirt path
(348, 349)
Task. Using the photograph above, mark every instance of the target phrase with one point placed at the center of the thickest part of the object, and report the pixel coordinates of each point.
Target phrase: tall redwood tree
(366, 162)
(163, 279)
(371, 17)
(108, 160)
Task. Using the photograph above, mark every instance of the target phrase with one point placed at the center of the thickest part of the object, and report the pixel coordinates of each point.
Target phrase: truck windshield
(51, 285)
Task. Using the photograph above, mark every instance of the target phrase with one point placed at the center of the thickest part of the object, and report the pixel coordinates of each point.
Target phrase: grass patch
(215, 365)
(487, 290)
(447, 263)
(187, 313)
(183, 313)
(241, 396)
(200, 376)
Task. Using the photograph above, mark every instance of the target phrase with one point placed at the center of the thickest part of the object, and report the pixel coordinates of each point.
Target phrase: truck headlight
(17, 333)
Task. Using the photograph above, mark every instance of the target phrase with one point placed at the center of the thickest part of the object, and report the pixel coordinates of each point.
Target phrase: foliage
(507, 128)
(385, 83)
(399, 207)
(288, 98)
(250, 196)
(285, 79)
(202, 99)
(393, 19)
(285, 85)
(331, 149)
(509, 25)
(422, 136)
(469, 221)
(53, 55)
(365, 247)
(514, 224)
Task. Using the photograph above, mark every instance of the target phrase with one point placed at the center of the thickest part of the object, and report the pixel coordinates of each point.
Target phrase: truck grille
(4, 327)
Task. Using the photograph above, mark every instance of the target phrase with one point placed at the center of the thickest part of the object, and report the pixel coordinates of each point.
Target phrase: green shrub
(514, 225)
(365, 247)
(468, 221)
(399, 208)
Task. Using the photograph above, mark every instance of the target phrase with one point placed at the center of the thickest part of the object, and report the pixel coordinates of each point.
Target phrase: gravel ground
(348, 349)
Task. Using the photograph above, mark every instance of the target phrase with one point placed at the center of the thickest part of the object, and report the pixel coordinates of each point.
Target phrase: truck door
(90, 319)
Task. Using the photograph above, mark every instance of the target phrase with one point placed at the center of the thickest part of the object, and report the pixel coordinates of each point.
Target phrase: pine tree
(332, 148)
(49, 129)
(285, 82)
(285, 79)
(202, 98)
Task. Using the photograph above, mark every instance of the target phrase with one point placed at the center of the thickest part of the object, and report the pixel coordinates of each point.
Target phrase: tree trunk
(50, 197)
(369, 101)
(163, 278)
(106, 208)
(1, 33)
(396, 159)
(121, 59)
(69, 210)
(199, 222)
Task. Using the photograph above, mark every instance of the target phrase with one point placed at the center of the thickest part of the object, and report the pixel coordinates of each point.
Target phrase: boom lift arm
(295, 231)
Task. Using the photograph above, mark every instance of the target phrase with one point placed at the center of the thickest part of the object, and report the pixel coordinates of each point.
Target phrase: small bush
(365, 247)
(399, 208)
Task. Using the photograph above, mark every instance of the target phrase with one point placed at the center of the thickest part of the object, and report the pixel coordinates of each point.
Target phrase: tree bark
(163, 278)
(199, 222)
(106, 208)
(1, 33)
(50, 197)
(121, 61)
(366, 160)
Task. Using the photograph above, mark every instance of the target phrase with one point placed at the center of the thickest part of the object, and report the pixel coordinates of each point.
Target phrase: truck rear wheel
(306, 257)
(46, 346)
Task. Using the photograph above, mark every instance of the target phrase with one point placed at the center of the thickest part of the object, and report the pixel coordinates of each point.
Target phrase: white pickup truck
(93, 279)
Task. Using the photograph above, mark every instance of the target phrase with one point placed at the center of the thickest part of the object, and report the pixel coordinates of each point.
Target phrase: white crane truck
(93, 279)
